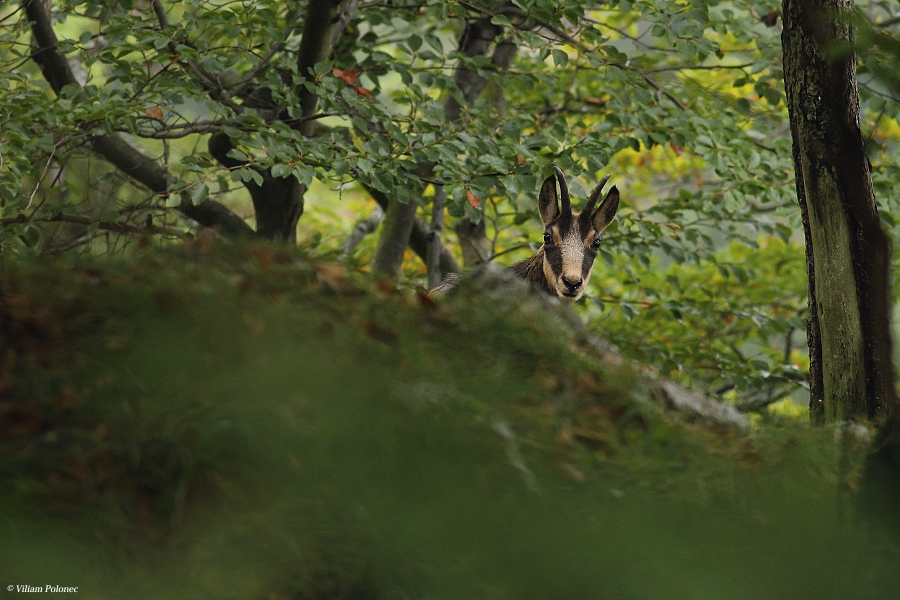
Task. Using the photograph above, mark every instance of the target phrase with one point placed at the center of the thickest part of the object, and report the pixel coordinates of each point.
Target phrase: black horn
(563, 193)
(589, 207)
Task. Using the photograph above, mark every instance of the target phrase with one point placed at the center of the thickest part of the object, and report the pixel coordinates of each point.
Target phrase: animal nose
(572, 285)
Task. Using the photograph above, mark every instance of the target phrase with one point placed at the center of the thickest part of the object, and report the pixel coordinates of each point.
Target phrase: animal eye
(596, 243)
(548, 239)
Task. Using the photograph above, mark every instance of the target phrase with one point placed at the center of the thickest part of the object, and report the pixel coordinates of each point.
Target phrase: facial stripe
(553, 258)
(589, 254)
(554, 233)
(586, 264)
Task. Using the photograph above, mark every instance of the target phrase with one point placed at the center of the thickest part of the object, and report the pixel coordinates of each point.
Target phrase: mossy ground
(244, 422)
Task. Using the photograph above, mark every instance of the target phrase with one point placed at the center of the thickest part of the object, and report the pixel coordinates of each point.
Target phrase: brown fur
(532, 271)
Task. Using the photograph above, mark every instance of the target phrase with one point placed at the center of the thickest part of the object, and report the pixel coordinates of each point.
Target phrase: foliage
(681, 101)
(700, 310)
(245, 422)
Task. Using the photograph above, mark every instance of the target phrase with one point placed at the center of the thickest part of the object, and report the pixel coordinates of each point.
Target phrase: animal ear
(547, 201)
(607, 210)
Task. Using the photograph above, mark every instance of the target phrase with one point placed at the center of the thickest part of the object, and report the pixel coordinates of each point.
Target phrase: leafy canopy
(680, 101)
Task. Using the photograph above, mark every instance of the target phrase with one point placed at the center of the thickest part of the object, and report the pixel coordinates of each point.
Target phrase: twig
(180, 131)
(698, 67)
(44, 172)
(265, 61)
(104, 224)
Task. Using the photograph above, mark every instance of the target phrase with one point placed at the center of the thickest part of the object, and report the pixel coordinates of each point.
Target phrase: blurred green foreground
(246, 423)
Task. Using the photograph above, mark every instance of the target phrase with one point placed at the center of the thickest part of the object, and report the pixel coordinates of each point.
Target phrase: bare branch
(661, 90)
(698, 68)
(115, 226)
(207, 80)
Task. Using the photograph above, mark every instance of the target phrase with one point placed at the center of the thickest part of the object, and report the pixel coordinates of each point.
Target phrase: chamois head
(572, 240)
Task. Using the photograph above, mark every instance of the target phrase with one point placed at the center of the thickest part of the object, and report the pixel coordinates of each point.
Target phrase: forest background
(133, 130)
(682, 103)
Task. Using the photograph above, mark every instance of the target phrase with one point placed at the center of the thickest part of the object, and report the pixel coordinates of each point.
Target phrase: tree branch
(265, 61)
(315, 46)
(418, 238)
(114, 149)
(362, 229)
(395, 232)
(104, 224)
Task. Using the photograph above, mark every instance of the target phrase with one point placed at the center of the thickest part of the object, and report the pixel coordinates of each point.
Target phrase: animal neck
(532, 271)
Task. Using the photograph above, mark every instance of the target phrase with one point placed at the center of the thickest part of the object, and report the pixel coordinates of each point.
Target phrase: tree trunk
(419, 237)
(433, 262)
(322, 18)
(473, 241)
(395, 230)
(848, 252)
(278, 202)
(475, 41)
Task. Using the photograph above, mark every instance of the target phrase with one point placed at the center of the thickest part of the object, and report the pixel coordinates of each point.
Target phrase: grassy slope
(242, 423)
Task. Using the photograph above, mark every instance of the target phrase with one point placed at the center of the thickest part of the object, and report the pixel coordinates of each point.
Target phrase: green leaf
(304, 174)
(340, 167)
(687, 49)
(321, 68)
(199, 193)
(560, 58)
(281, 170)
(501, 21)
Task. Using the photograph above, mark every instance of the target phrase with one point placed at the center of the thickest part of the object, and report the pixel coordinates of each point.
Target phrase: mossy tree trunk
(847, 251)
(395, 231)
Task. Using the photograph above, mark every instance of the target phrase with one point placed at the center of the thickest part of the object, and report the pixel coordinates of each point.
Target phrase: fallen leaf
(346, 75)
(362, 91)
(155, 113)
(474, 200)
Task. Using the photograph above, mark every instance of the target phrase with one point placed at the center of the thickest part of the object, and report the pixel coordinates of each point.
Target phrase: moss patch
(244, 422)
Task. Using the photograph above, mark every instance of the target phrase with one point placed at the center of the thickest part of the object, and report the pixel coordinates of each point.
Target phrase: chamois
(562, 265)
